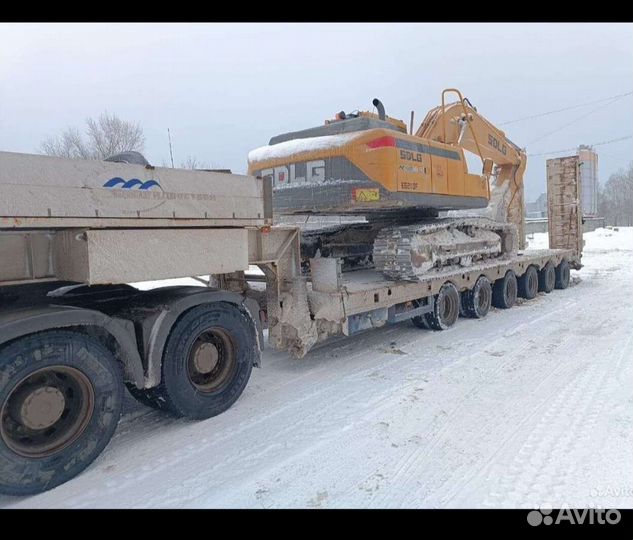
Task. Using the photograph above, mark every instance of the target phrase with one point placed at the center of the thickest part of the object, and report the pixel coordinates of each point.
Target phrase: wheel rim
(47, 411)
(211, 360)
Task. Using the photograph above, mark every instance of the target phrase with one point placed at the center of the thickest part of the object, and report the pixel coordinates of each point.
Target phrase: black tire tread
(433, 319)
(499, 289)
(106, 376)
(528, 283)
(562, 275)
(468, 304)
(547, 278)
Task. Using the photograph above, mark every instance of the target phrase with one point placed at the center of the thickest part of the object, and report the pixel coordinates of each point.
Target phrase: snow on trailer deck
(527, 406)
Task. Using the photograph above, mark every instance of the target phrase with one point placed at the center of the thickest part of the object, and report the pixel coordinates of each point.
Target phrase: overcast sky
(224, 89)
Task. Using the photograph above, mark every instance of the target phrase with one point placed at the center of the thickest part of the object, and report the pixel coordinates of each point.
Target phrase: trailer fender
(20, 323)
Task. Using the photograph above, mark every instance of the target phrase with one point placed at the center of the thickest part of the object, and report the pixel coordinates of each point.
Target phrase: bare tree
(69, 144)
(104, 137)
(193, 163)
(615, 201)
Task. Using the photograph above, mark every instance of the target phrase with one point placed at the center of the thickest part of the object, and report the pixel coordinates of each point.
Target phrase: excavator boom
(460, 124)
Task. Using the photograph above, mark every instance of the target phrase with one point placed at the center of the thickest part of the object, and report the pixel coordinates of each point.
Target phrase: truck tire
(207, 362)
(445, 309)
(528, 283)
(562, 275)
(476, 301)
(60, 402)
(504, 292)
(547, 278)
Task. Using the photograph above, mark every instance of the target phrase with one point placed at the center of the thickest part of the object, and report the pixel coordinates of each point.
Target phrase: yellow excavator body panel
(373, 169)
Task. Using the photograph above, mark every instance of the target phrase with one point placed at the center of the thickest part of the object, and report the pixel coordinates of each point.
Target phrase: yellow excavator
(366, 163)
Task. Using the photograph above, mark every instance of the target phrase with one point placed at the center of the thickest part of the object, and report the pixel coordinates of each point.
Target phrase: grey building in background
(538, 208)
(588, 180)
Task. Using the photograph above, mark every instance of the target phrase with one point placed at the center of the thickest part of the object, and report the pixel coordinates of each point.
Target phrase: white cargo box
(45, 191)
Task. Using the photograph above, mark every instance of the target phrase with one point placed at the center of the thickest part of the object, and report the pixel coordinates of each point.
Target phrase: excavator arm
(460, 124)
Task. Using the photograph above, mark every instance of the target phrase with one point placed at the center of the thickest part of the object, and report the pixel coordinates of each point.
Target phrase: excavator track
(352, 242)
(412, 252)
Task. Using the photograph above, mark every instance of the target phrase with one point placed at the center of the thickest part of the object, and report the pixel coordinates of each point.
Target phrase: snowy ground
(527, 406)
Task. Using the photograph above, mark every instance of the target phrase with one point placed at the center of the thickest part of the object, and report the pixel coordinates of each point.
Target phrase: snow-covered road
(528, 406)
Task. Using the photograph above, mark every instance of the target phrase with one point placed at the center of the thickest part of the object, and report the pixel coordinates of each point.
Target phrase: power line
(575, 148)
(564, 109)
(575, 120)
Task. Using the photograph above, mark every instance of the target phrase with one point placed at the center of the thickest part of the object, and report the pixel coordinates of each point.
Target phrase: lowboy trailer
(74, 333)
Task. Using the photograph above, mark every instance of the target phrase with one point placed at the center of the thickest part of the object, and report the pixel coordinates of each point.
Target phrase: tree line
(105, 136)
(615, 198)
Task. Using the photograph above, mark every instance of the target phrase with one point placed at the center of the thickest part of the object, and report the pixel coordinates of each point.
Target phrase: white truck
(73, 333)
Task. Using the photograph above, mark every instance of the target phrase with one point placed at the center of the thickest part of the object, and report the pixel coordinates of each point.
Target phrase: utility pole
(171, 154)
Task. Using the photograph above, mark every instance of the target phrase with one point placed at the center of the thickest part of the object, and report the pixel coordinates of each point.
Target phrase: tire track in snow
(457, 420)
(565, 425)
(403, 475)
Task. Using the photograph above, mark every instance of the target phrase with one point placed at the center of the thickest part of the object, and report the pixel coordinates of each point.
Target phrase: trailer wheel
(207, 362)
(60, 402)
(476, 301)
(562, 275)
(547, 278)
(446, 308)
(528, 283)
(504, 292)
